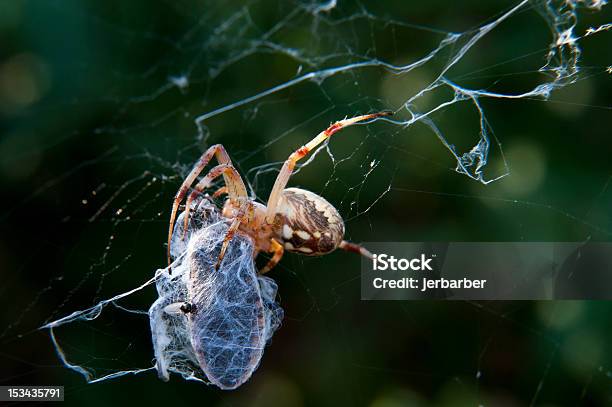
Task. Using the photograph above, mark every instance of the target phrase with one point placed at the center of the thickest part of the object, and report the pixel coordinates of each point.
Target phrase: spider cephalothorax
(294, 219)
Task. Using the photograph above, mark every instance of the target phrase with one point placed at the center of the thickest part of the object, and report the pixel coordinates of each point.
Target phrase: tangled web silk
(234, 313)
(233, 309)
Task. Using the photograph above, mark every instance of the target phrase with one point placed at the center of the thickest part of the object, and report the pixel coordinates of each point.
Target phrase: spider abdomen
(306, 223)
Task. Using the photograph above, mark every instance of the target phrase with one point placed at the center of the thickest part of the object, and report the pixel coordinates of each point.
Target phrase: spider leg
(244, 212)
(234, 184)
(355, 248)
(289, 165)
(278, 251)
(220, 191)
(222, 156)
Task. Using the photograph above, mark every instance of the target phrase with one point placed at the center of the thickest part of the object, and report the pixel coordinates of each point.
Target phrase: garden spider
(295, 220)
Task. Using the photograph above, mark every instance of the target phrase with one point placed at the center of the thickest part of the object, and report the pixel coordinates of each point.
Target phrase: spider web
(262, 78)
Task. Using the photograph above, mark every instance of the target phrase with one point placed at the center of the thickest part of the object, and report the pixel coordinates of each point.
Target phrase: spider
(294, 219)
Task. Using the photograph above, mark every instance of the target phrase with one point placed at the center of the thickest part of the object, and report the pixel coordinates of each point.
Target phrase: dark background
(95, 139)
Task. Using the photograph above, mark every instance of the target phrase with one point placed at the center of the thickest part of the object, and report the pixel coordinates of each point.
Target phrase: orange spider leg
(222, 156)
(278, 251)
(355, 248)
(289, 165)
(245, 211)
(233, 180)
(219, 192)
